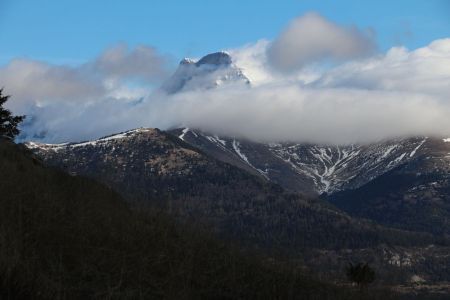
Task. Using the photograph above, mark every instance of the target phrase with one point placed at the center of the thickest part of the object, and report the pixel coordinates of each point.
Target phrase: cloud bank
(400, 93)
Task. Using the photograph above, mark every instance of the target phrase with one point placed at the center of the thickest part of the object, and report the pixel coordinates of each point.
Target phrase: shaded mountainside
(403, 183)
(67, 237)
(414, 195)
(157, 167)
(162, 169)
(308, 168)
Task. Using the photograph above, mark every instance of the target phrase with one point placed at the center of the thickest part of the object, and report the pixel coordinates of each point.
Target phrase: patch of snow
(388, 151)
(223, 142)
(122, 135)
(57, 147)
(417, 148)
(236, 148)
(446, 140)
(327, 167)
(331, 164)
(216, 140)
(183, 133)
(53, 147)
(397, 160)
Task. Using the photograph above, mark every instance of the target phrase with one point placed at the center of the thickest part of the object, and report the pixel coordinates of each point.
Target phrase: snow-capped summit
(187, 61)
(208, 72)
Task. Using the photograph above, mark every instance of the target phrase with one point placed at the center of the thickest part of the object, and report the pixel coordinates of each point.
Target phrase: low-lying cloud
(312, 38)
(328, 115)
(400, 93)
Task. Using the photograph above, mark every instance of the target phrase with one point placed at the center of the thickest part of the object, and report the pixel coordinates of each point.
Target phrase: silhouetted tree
(8, 122)
(361, 274)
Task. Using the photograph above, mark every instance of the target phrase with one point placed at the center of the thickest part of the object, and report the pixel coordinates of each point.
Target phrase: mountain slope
(414, 195)
(67, 237)
(309, 168)
(161, 169)
(402, 183)
(156, 167)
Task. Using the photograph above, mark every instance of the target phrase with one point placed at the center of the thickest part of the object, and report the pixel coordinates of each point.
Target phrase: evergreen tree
(361, 274)
(8, 123)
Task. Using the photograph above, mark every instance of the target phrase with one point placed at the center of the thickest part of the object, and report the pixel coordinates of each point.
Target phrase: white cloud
(142, 62)
(253, 60)
(399, 93)
(312, 38)
(290, 112)
(425, 70)
(33, 82)
(55, 97)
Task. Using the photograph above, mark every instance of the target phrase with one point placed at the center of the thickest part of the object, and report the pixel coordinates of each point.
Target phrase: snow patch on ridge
(388, 151)
(57, 147)
(183, 133)
(236, 148)
(417, 148)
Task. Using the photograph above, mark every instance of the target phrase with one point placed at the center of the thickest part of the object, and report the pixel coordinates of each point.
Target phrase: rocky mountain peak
(209, 72)
(221, 58)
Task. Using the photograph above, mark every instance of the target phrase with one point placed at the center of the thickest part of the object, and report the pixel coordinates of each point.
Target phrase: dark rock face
(218, 58)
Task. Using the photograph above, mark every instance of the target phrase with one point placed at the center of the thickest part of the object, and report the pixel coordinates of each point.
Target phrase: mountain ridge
(152, 165)
(310, 168)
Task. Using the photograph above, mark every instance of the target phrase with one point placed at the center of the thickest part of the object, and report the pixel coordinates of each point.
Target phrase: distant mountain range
(309, 168)
(401, 182)
(152, 166)
(387, 201)
(157, 168)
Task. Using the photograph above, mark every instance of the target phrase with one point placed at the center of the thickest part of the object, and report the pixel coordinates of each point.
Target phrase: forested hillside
(67, 237)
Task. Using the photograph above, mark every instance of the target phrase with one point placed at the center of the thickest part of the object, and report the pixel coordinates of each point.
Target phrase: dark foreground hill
(67, 237)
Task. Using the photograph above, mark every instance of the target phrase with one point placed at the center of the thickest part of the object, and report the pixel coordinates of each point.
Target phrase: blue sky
(72, 32)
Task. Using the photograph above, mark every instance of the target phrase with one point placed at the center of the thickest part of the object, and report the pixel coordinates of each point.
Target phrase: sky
(68, 31)
(335, 72)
